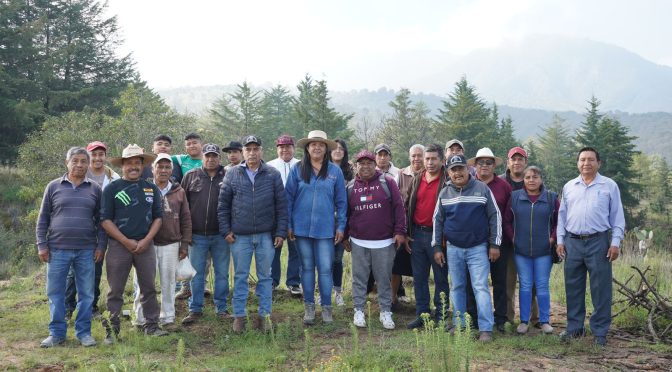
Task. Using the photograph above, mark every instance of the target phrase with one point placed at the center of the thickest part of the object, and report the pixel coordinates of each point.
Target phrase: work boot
(191, 318)
(239, 324)
(308, 314)
(327, 316)
(485, 337)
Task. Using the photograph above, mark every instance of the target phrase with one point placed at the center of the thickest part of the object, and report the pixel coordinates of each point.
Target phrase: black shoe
(154, 330)
(417, 323)
(501, 327)
(600, 341)
(568, 336)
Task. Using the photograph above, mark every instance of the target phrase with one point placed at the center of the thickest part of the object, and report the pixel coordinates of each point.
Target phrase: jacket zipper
(207, 206)
(531, 219)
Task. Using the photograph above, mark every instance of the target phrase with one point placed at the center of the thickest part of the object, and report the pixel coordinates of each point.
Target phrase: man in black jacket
(253, 192)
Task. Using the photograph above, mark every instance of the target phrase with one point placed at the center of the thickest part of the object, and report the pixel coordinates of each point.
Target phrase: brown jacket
(176, 224)
(405, 182)
(412, 195)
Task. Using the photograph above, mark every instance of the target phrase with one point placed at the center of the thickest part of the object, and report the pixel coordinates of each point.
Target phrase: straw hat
(317, 136)
(132, 151)
(484, 153)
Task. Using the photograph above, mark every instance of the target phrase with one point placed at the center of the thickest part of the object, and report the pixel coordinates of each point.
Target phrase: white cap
(163, 156)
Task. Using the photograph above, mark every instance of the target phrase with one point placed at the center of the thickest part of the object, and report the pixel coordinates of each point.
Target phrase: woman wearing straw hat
(317, 202)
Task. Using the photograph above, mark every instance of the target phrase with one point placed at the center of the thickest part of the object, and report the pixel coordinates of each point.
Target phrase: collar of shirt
(598, 180)
(67, 179)
(165, 190)
(250, 173)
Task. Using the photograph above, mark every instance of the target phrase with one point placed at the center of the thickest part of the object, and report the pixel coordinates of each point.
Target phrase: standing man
(486, 162)
(468, 221)
(591, 225)
(283, 163)
(102, 175)
(131, 213)
(69, 235)
(202, 187)
(515, 165)
(254, 193)
(455, 147)
(193, 145)
(234, 154)
(162, 144)
(422, 199)
(384, 161)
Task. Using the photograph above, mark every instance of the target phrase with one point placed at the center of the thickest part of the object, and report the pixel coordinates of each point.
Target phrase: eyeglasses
(483, 162)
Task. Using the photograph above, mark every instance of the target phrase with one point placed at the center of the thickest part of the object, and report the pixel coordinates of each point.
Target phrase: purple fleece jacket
(371, 214)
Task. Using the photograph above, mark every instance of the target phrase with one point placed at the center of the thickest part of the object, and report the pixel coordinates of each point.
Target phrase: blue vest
(532, 223)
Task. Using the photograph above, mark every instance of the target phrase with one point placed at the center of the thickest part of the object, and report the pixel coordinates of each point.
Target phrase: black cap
(233, 145)
(382, 147)
(210, 148)
(457, 161)
(251, 139)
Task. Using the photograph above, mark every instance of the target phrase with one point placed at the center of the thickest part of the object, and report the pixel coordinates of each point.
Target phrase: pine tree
(238, 114)
(555, 155)
(313, 111)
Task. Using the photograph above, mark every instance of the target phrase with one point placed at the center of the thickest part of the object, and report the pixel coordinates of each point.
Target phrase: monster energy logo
(123, 197)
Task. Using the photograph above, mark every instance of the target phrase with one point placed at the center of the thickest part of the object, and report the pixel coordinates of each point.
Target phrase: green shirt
(187, 163)
(132, 206)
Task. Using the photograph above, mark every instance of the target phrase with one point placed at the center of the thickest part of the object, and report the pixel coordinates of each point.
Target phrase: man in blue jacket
(254, 194)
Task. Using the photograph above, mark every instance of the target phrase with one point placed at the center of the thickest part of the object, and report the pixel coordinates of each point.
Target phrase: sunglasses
(485, 162)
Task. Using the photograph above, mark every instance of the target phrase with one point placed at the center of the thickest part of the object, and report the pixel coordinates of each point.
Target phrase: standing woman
(339, 156)
(530, 221)
(316, 198)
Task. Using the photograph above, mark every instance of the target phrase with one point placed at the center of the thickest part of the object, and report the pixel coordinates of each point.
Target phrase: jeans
(338, 265)
(71, 288)
(60, 261)
(293, 265)
(316, 253)
(166, 263)
(261, 245)
(498, 273)
(218, 248)
(474, 261)
(534, 273)
(422, 258)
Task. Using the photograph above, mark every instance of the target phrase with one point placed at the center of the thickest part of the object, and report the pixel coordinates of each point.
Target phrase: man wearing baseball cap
(283, 163)
(234, 154)
(384, 161)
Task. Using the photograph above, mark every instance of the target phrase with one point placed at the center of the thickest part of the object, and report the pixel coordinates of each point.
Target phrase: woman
(530, 222)
(316, 198)
(339, 156)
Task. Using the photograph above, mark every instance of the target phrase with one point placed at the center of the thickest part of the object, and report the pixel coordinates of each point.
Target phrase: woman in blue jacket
(316, 199)
(530, 222)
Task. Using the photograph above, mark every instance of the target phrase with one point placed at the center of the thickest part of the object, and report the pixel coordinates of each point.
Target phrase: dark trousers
(71, 289)
(293, 265)
(422, 259)
(588, 257)
(498, 271)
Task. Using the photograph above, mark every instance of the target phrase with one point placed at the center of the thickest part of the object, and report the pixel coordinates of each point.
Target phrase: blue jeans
(293, 265)
(475, 261)
(221, 255)
(82, 260)
(534, 272)
(338, 265)
(261, 245)
(316, 253)
(71, 289)
(422, 259)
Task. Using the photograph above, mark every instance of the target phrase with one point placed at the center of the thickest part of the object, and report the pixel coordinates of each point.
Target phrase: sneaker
(568, 336)
(183, 294)
(295, 290)
(239, 324)
(386, 319)
(154, 330)
(191, 318)
(52, 341)
(359, 320)
(111, 336)
(600, 341)
(416, 323)
(327, 316)
(546, 328)
(485, 337)
(522, 328)
(338, 298)
(87, 341)
(501, 327)
(404, 299)
(309, 314)
(170, 327)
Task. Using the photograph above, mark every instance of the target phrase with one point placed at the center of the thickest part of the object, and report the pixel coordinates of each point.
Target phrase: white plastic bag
(184, 270)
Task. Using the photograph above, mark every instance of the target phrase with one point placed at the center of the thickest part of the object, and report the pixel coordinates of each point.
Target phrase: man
(202, 187)
(102, 175)
(591, 225)
(402, 259)
(421, 201)
(193, 145)
(377, 229)
(467, 220)
(162, 144)
(384, 161)
(69, 235)
(283, 163)
(455, 147)
(515, 165)
(485, 162)
(171, 242)
(234, 154)
(131, 213)
(254, 193)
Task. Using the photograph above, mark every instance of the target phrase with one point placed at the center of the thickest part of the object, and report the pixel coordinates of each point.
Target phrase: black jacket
(202, 193)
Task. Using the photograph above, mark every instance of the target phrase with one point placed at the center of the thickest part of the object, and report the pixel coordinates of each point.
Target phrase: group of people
(445, 213)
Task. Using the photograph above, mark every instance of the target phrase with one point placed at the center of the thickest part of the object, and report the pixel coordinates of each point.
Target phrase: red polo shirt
(426, 201)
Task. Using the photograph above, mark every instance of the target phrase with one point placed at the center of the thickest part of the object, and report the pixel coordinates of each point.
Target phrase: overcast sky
(177, 43)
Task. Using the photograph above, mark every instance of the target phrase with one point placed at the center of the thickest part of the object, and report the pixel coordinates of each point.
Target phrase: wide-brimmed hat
(484, 153)
(132, 151)
(317, 136)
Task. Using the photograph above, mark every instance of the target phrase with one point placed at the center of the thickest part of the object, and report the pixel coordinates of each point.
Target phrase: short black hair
(193, 136)
(588, 148)
(434, 147)
(163, 137)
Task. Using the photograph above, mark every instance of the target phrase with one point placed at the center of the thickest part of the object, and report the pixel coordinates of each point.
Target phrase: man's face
(234, 157)
(98, 157)
(415, 157)
(588, 164)
(77, 166)
(131, 168)
(383, 159)
(161, 147)
(459, 175)
(455, 149)
(194, 147)
(285, 152)
(485, 167)
(211, 161)
(316, 150)
(432, 162)
(366, 169)
(517, 164)
(252, 154)
(162, 171)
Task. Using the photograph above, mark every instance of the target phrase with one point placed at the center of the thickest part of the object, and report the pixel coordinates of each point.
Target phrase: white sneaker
(386, 319)
(522, 328)
(359, 319)
(546, 328)
(404, 299)
(338, 298)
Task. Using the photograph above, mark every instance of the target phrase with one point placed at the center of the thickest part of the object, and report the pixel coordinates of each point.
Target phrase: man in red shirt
(421, 202)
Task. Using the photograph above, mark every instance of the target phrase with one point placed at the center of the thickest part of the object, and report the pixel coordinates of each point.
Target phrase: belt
(584, 236)
(424, 228)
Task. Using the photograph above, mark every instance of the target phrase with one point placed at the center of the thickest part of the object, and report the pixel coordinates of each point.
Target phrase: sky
(197, 42)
